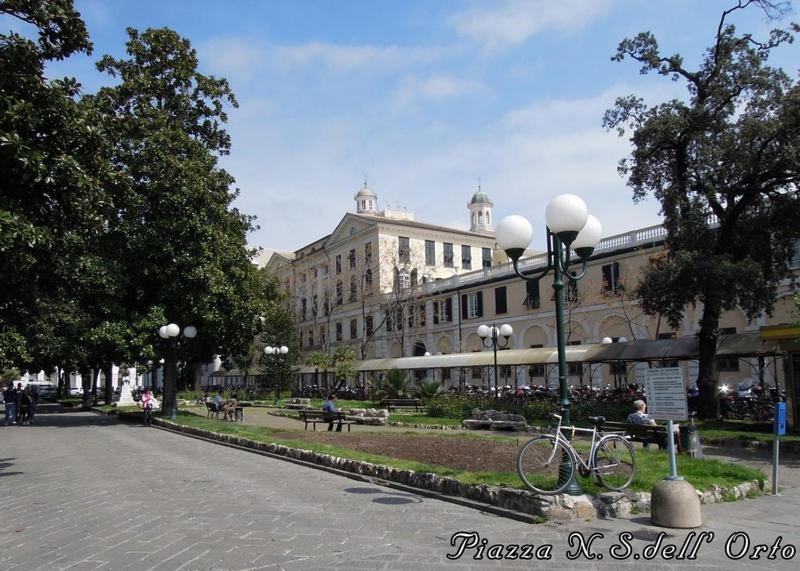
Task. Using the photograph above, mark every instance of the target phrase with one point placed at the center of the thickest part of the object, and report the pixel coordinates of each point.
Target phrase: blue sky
(423, 97)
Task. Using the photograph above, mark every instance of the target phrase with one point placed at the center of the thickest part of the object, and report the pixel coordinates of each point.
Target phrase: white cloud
(338, 57)
(515, 21)
(434, 88)
(233, 58)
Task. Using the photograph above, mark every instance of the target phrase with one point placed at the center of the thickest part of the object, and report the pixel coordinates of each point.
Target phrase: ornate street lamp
(170, 332)
(569, 228)
(490, 336)
(277, 354)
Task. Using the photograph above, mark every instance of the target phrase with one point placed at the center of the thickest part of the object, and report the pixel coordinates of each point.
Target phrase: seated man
(230, 408)
(639, 416)
(216, 402)
(329, 406)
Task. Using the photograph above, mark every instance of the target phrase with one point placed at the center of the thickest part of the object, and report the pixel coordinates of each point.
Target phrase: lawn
(652, 465)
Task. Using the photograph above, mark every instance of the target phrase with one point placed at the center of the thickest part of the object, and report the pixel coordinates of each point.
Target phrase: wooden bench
(642, 433)
(390, 404)
(313, 417)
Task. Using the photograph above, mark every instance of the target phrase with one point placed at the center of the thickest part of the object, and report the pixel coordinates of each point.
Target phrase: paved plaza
(83, 491)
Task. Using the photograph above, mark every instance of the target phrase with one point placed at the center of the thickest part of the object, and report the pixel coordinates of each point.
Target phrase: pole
(573, 488)
(494, 348)
(775, 446)
(673, 467)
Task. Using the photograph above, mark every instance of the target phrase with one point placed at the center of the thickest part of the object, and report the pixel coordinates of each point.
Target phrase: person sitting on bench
(639, 416)
(329, 406)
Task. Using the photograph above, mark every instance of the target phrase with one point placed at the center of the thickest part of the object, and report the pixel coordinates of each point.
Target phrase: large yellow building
(393, 287)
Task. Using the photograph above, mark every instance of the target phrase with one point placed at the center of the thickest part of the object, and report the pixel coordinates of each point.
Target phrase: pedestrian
(147, 403)
(10, 397)
(24, 406)
(34, 401)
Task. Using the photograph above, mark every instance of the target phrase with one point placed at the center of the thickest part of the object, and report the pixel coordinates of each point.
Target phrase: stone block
(675, 504)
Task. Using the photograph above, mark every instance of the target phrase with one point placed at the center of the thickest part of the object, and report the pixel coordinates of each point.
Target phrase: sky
(425, 99)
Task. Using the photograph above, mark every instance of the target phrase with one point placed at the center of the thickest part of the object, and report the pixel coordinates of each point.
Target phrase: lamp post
(171, 332)
(277, 353)
(569, 227)
(490, 336)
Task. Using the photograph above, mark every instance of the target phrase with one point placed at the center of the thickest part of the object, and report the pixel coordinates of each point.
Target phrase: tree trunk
(109, 387)
(86, 384)
(197, 371)
(707, 376)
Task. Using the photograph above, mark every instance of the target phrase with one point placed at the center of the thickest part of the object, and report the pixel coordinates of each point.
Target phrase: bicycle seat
(597, 420)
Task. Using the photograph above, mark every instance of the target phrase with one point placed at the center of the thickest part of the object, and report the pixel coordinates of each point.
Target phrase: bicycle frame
(596, 436)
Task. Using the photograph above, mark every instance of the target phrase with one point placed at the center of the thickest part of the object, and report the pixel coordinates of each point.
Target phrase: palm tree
(393, 385)
(427, 389)
(321, 361)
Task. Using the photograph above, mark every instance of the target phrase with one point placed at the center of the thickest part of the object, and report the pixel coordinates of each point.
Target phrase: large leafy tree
(182, 244)
(55, 191)
(725, 166)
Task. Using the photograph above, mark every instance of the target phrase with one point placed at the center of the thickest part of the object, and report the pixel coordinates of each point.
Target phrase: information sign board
(780, 418)
(666, 394)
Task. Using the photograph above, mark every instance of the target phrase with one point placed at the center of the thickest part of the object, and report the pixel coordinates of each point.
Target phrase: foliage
(8, 375)
(723, 164)
(394, 384)
(427, 389)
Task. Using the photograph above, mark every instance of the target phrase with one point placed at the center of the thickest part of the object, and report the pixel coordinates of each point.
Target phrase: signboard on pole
(666, 394)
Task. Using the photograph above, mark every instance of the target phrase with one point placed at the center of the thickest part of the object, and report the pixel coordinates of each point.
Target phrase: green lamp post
(569, 228)
(277, 353)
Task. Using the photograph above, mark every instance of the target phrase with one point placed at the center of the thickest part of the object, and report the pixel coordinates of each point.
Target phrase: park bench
(211, 410)
(390, 404)
(642, 433)
(313, 417)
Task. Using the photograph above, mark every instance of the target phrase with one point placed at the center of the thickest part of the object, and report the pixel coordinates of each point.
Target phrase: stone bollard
(674, 503)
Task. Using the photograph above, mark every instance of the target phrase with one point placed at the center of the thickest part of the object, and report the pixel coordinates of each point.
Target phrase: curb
(513, 503)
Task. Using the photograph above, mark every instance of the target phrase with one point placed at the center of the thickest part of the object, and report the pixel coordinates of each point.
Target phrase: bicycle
(612, 460)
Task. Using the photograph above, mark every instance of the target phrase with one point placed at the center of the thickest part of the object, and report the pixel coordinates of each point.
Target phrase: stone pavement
(84, 492)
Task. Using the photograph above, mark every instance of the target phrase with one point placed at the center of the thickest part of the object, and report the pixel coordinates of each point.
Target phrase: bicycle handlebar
(555, 416)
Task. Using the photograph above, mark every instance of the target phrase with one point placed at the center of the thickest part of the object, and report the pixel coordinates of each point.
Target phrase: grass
(652, 465)
(423, 419)
(741, 431)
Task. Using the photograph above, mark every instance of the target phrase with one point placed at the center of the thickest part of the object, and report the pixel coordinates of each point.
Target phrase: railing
(627, 240)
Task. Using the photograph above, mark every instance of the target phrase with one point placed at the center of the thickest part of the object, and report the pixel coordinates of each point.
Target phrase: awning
(685, 348)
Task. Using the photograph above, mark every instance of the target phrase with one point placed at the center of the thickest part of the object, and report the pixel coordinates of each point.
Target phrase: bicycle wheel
(614, 462)
(539, 464)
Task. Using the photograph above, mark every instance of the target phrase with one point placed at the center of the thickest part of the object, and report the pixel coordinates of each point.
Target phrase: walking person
(10, 397)
(24, 406)
(34, 392)
(147, 403)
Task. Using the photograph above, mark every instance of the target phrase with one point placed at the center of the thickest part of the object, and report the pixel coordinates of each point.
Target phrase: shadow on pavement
(7, 463)
(67, 420)
(389, 498)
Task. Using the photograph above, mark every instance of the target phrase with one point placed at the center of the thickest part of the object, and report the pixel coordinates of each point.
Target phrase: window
(448, 255)
(353, 328)
(472, 305)
(500, 302)
(421, 315)
(352, 258)
(611, 282)
(466, 257)
(368, 253)
(445, 374)
(368, 325)
(303, 308)
(430, 253)
(368, 282)
(476, 372)
(402, 280)
(537, 370)
(310, 337)
(532, 299)
(443, 311)
(339, 294)
(327, 304)
(338, 264)
(314, 306)
(667, 335)
(389, 322)
(411, 314)
(727, 364)
(339, 331)
(486, 257)
(404, 250)
(353, 289)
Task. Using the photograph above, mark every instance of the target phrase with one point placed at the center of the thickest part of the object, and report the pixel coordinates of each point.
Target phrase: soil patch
(471, 454)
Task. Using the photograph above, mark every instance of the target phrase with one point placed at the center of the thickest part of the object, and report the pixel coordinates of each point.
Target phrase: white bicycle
(612, 461)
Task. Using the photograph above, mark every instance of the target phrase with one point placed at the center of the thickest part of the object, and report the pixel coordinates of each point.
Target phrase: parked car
(76, 391)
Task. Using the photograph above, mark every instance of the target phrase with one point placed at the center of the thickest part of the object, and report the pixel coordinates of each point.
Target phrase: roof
(685, 348)
(367, 192)
(480, 197)
(424, 225)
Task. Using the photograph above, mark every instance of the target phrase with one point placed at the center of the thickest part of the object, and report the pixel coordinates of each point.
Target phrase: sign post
(780, 430)
(674, 501)
(666, 400)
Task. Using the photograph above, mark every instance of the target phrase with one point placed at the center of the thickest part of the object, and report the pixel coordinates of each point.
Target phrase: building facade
(391, 287)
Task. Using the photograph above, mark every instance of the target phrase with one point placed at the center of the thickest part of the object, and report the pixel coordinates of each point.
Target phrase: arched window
(488, 218)
(480, 217)
(370, 204)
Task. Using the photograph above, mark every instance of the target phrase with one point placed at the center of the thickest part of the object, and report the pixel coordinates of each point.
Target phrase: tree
(394, 384)
(723, 164)
(277, 327)
(182, 244)
(321, 361)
